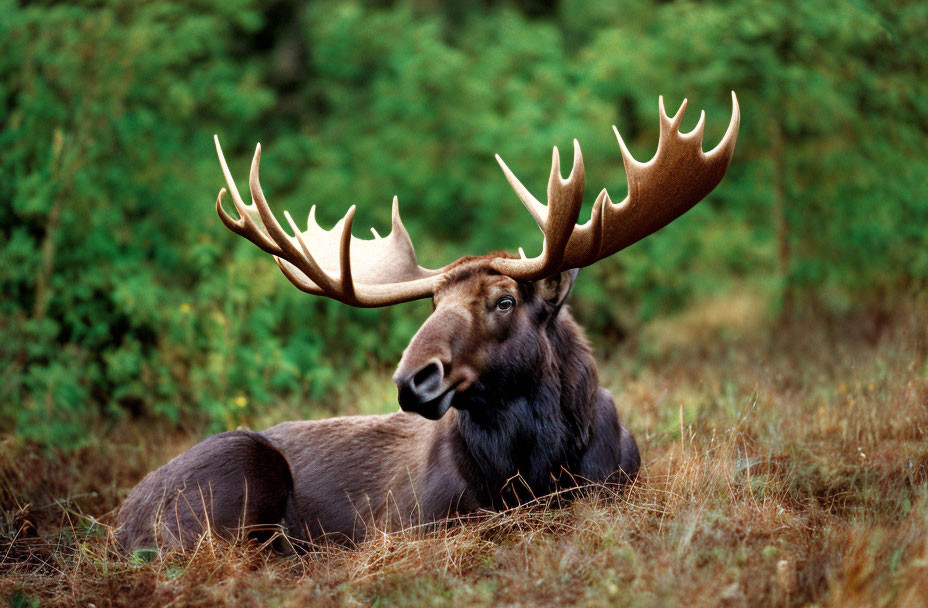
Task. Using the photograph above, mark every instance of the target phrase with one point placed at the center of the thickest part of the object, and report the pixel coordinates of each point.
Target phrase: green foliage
(121, 294)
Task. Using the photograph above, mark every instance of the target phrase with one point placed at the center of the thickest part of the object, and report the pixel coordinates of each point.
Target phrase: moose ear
(555, 290)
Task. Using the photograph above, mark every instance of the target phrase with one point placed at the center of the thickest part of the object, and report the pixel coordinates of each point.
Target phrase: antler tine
(556, 220)
(535, 208)
(565, 197)
(246, 224)
(267, 216)
(301, 258)
(233, 189)
(628, 160)
(671, 124)
(396, 223)
(596, 226)
(698, 130)
(311, 219)
(726, 147)
(347, 282)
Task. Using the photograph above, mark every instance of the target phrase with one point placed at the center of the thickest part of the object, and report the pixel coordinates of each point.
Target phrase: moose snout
(423, 389)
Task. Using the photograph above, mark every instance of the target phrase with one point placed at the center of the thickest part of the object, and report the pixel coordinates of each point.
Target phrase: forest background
(123, 297)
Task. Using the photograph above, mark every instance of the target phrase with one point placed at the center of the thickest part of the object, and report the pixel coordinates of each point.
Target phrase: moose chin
(499, 393)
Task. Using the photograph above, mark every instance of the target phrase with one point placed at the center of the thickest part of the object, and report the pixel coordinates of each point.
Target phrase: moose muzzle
(424, 378)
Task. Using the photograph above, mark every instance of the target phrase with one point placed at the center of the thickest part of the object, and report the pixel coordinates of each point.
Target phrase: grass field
(781, 467)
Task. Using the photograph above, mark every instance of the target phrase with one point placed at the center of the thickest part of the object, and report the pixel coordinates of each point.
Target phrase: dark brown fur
(231, 482)
(526, 418)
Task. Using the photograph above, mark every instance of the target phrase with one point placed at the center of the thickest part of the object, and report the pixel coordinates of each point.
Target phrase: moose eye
(505, 303)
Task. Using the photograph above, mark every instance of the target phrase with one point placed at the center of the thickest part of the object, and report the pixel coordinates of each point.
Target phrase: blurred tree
(99, 104)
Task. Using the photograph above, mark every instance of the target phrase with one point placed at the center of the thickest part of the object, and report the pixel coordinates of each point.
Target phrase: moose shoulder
(498, 389)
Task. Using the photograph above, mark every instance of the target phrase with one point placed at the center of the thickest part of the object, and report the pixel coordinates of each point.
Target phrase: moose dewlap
(499, 393)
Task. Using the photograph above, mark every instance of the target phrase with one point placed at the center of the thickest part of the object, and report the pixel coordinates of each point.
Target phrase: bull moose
(498, 390)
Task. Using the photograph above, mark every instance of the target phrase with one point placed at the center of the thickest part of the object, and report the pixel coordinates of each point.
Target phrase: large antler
(384, 271)
(678, 176)
(360, 272)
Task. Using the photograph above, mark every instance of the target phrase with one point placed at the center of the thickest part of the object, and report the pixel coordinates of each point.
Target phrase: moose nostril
(428, 378)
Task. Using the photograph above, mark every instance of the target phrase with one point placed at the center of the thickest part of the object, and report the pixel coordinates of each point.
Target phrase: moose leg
(613, 453)
(229, 484)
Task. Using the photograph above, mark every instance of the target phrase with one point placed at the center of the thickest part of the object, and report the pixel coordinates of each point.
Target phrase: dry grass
(781, 468)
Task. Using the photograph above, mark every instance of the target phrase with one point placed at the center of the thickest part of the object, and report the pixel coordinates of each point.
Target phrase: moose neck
(530, 423)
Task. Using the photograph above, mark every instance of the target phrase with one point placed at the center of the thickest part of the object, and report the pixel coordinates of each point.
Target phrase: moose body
(367, 478)
(499, 390)
(531, 420)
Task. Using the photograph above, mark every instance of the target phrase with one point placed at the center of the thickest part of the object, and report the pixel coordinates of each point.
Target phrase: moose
(498, 390)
